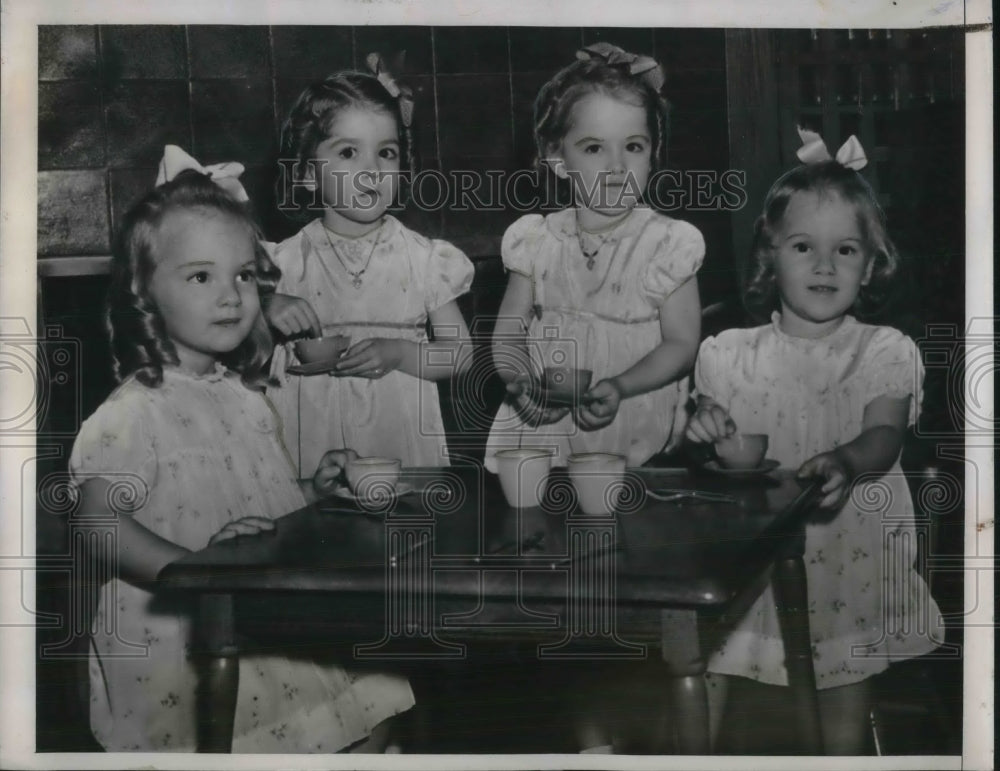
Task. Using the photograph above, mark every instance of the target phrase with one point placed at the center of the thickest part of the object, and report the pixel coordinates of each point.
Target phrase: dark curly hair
(555, 101)
(760, 293)
(138, 336)
(310, 122)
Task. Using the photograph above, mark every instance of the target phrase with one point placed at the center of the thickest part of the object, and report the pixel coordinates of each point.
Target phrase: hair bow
(400, 93)
(813, 150)
(225, 175)
(645, 67)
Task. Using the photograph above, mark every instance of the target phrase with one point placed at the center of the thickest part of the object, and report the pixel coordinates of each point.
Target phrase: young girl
(608, 284)
(834, 397)
(189, 431)
(356, 270)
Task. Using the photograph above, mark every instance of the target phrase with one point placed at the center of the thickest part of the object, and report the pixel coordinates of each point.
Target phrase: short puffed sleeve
(116, 444)
(520, 245)
(892, 367)
(676, 256)
(449, 274)
(714, 368)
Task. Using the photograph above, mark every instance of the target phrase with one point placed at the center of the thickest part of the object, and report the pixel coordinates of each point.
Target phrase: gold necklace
(356, 249)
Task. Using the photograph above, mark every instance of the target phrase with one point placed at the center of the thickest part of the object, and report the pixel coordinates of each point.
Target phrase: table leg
(790, 594)
(685, 663)
(220, 676)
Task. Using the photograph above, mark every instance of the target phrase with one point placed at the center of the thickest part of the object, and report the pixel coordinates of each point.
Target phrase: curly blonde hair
(140, 345)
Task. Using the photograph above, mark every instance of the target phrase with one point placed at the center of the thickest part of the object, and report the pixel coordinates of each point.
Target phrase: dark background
(110, 98)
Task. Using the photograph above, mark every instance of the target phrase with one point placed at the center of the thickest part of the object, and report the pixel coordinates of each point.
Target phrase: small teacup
(321, 349)
(523, 473)
(567, 382)
(741, 451)
(373, 477)
(598, 480)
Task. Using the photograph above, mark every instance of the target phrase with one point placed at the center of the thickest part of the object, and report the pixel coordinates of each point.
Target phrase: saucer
(316, 368)
(402, 488)
(766, 467)
(551, 399)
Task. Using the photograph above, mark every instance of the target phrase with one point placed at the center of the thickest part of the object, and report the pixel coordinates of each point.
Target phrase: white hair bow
(225, 175)
(813, 150)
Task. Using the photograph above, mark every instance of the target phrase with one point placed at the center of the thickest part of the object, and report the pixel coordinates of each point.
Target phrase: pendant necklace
(603, 235)
(355, 249)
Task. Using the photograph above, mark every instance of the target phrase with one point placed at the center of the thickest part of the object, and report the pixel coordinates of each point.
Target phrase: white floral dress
(208, 452)
(867, 604)
(398, 415)
(604, 319)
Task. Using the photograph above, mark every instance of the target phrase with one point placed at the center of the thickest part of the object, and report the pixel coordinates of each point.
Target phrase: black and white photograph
(395, 385)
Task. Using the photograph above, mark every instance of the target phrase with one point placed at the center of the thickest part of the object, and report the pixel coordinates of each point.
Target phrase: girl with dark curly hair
(608, 284)
(355, 270)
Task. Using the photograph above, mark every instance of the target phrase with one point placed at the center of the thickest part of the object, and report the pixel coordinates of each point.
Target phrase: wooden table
(452, 562)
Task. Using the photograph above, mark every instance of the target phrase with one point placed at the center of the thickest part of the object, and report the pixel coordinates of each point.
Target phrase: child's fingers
(697, 432)
(721, 422)
(311, 319)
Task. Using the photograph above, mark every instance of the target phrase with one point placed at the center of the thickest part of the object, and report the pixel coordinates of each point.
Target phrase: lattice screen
(843, 82)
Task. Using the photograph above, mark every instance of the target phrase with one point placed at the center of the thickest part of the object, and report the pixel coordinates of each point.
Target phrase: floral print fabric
(208, 452)
(868, 605)
(604, 319)
(397, 415)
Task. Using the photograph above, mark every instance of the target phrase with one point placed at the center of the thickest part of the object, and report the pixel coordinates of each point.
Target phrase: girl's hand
(371, 358)
(524, 392)
(331, 470)
(292, 316)
(710, 423)
(606, 396)
(245, 526)
(837, 473)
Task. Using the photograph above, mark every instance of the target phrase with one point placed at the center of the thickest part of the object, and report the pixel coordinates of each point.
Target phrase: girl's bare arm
(510, 352)
(680, 327)
(141, 553)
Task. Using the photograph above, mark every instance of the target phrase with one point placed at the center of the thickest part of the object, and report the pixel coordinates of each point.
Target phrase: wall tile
(690, 49)
(474, 115)
(233, 120)
(66, 52)
(127, 187)
(701, 89)
(634, 39)
(541, 49)
(72, 212)
(259, 182)
(70, 125)
(311, 53)
(222, 51)
(143, 116)
(143, 52)
(389, 41)
(471, 49)
(482, 210)
(525, 88)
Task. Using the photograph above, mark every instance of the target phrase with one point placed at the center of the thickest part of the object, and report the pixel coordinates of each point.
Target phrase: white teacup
(373, 477)
(523, 473)
(741, 451)
(597, 478)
